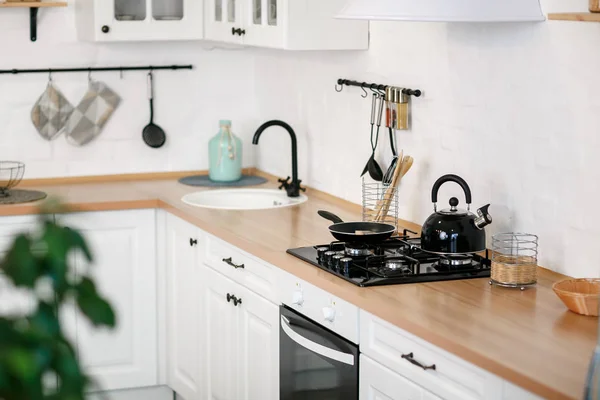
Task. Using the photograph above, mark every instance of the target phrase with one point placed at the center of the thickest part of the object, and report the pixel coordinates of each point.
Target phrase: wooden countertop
(528, 338)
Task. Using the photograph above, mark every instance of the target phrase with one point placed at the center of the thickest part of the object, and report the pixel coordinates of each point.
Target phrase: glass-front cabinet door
(264, 21)
(224, 20)
(149, 19)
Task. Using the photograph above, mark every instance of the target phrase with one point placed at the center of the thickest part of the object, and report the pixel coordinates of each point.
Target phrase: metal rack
(365, 85)
(95, 69)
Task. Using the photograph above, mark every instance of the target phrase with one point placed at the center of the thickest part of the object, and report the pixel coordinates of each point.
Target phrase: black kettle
(452, 230)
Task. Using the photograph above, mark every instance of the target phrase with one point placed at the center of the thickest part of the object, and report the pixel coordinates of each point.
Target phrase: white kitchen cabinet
(124, 269)
(377, 382)
(284, 24)
(185, 290)
(242, 342)
(139, 20)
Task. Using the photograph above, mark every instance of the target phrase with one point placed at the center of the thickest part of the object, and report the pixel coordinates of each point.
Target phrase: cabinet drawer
(378, 382)
(241, 267)
(452, 377)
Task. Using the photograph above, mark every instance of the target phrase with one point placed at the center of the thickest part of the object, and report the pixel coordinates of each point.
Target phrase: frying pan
(358, 232)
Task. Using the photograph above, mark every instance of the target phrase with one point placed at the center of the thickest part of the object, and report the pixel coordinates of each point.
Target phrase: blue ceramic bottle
(225, 155)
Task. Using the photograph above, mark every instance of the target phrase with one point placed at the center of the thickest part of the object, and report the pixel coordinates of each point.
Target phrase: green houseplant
(37, 361)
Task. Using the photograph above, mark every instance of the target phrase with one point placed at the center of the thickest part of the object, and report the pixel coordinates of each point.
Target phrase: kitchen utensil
(401, 170)
(579, 295)
(514, 260)
(595, 6)
(153, 135)
(11, 173)
(372, 195)
(452, 230)
(357, 232)
(389, 174)
(50, 112)
(372, 166)
(91, 114)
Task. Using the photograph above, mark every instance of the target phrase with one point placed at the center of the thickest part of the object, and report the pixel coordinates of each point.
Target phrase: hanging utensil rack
(365, 85)
(94, 69)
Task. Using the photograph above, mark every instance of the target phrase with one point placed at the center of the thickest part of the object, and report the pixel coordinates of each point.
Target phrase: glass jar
(225, 155)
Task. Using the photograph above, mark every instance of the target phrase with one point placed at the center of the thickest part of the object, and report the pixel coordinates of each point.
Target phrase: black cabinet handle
(230, 262)
(231, 297)
(193, 242)
(105, 29)
(238, 31)
(410, 358)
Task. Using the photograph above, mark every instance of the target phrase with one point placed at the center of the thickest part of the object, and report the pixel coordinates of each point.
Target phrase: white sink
(242, 199)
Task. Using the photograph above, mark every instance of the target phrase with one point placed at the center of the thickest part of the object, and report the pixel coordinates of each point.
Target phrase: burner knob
(321, 253)
(298, 298)
(329, 314)
(335, 261)
(328, 258)
(345, 266)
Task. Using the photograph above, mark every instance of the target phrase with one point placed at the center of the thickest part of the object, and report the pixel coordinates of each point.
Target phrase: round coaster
(17, 196)
(204, 180)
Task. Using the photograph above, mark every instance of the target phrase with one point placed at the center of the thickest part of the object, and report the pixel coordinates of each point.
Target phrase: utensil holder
(514, 260)
(373, 194)
(595, 6)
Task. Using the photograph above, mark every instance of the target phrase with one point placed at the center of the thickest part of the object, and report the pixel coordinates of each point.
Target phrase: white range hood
(444, 10)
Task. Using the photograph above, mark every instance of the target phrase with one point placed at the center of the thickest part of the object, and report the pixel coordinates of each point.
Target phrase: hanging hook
(49, 76)
(362, 86)
(121, 73)
(89, 74)
(340, 84)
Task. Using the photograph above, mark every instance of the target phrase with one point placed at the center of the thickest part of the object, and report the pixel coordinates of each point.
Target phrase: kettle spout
(483, 217)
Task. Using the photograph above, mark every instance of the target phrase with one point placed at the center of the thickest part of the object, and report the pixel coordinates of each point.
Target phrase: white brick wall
(188, 104)
(513, 108)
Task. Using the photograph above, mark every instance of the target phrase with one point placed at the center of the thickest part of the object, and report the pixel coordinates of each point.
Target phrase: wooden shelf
(583, 17)
(34, 4)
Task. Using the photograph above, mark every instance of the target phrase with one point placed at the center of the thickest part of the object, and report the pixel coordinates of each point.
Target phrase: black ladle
(372, 166)
(153, 135)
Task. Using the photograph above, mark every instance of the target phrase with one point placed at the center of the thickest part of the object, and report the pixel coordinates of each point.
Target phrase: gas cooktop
(394, 261)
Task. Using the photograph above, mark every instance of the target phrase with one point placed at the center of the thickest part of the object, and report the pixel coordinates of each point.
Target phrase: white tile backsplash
(513, 108)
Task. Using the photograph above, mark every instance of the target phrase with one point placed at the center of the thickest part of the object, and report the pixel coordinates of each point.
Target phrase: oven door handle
(316, 347)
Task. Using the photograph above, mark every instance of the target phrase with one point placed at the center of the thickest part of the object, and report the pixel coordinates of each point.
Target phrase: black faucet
(292, 188)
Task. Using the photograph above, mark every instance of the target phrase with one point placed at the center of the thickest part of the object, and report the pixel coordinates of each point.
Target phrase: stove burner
(458, 260)
(394, 265)
(357, 250)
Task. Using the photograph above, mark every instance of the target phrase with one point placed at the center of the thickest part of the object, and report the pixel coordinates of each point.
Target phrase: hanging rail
(365, 85)
(94, 69)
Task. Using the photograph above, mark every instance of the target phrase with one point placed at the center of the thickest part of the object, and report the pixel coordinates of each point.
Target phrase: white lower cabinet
(185, 290)
(124, 268)
(242, 342)
(377, 382)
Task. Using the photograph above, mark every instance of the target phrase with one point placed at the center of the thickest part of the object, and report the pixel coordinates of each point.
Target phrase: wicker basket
(579, 295)
(514, 260)
(595, 6)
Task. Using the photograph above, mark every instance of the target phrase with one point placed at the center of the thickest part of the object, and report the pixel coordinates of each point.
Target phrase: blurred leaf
(45, 320)
(20, 264)
(21, 363)
(77, 242)
(98, 311)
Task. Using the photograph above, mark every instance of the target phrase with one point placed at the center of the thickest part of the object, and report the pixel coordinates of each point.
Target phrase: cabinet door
(264, 22)
(223, 19)
(221, 326)
(123, 20)
(124, 268)
(184, 305)
(259, 347)
(377, 382)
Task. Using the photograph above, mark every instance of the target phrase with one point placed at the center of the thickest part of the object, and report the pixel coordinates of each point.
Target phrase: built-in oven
(315, 363)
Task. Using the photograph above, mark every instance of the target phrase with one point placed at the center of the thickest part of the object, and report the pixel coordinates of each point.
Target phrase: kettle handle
(450, 178)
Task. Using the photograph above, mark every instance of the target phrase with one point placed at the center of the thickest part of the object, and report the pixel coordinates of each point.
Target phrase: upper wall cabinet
(284, 24)
(139, 20)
